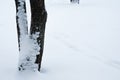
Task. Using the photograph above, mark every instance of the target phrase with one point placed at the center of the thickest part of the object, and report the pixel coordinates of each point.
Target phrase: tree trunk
(38, 21)
(31, 46)
(74, 1)
(21, 20)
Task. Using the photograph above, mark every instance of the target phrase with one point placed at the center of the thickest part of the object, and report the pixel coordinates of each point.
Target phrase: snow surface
(82, 42)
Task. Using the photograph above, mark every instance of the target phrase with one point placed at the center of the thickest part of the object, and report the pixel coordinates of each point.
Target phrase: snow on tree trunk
(74, 1)
(21, 20)
(30, 46)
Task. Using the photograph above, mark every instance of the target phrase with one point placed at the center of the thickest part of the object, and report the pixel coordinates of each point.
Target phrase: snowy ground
(82, 41)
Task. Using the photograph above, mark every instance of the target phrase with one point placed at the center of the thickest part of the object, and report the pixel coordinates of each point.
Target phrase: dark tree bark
(37, 32)
(38, 21)
(74, 1)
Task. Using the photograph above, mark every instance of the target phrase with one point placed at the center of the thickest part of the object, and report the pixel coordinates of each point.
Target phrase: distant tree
(31, 45)
(74, 1)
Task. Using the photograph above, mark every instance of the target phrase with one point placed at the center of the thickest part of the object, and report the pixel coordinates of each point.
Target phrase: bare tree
(31, 53)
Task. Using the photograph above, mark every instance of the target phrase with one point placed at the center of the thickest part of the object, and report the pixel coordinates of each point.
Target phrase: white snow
(82, 42)
(28, 52)
(22, 19)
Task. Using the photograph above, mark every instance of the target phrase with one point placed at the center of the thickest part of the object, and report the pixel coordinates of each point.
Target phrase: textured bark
(38, 21)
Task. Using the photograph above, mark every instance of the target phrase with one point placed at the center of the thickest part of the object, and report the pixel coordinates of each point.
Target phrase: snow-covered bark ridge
(28, 52)
(21, 18)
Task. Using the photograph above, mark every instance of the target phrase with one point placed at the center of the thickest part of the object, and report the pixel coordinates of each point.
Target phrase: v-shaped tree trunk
(31, 45)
